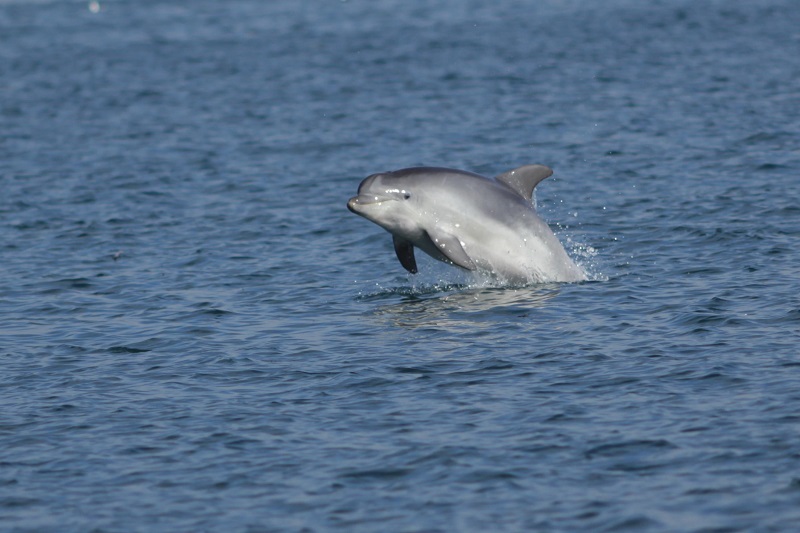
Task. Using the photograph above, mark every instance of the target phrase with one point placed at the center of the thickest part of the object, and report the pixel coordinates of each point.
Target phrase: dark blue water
(196, 335)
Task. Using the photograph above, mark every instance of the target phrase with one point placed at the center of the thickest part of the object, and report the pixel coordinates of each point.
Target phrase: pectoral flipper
(405, 253)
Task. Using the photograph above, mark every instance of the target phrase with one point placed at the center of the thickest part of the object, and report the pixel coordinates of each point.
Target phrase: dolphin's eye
(406, 194)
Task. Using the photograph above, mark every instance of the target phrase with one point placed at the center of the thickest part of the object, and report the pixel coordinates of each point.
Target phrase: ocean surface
(196, 335)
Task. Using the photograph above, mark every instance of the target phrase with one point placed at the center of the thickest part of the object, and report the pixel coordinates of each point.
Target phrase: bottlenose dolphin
(467, 220)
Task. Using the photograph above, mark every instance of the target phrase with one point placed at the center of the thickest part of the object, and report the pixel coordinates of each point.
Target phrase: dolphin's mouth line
(357, 203)
(367, 199)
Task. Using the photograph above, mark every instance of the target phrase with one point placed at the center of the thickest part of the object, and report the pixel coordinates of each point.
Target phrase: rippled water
(197, 335)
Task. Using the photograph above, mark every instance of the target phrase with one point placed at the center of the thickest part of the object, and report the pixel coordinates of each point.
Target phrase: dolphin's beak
(357, 203)
(352, 203)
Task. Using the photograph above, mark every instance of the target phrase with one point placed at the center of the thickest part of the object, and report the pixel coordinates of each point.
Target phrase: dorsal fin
(523, 180)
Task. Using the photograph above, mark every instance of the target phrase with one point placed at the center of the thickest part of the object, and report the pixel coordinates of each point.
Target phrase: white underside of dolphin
(470, 221)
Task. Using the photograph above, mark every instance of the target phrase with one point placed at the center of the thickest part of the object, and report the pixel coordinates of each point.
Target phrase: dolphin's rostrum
(470, 221)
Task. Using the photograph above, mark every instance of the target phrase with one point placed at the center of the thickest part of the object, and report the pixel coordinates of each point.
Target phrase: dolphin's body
(467, 220)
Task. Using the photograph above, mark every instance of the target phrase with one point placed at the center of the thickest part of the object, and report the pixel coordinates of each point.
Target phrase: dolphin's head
(387, 200)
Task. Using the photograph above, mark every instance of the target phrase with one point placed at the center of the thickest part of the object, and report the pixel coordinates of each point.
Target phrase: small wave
(415, 290)
(452, 281)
